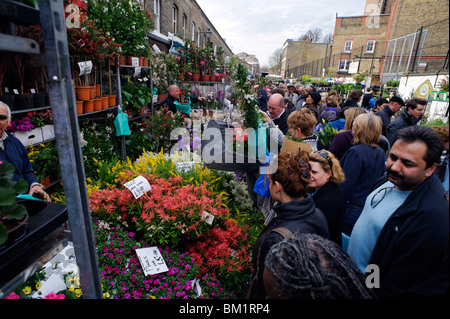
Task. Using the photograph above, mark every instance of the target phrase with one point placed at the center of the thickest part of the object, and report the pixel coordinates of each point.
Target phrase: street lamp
(208, 36)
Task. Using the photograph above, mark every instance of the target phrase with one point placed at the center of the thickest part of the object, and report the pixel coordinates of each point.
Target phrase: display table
(46, 234)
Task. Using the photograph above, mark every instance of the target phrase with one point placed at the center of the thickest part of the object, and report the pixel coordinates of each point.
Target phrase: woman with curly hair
(326, 174)
(308, 266)
(289, 176)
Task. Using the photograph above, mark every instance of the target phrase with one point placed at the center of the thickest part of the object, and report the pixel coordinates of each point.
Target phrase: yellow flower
(78, 292)
(38, 285)
(26, 290)
(106, 295)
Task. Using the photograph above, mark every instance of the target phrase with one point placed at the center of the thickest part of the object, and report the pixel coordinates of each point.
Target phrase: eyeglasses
(378, 197)
(3, 117)
(325, 156)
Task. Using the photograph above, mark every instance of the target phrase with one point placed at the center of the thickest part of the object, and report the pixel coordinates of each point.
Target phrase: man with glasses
(404, 226)
(290, 94)
(13, 152)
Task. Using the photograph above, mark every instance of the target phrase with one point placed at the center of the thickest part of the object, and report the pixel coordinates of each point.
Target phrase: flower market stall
(161, 223)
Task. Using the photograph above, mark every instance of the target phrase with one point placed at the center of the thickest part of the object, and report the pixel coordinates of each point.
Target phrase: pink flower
(52, 295)
(12, 295)
(202, 63)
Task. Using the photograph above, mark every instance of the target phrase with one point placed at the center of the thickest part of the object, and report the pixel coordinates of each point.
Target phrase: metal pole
(62, 100)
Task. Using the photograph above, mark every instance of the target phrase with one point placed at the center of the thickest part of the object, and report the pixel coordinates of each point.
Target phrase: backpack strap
(283, 231)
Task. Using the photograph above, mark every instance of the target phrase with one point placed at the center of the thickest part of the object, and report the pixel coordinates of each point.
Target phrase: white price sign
(138, 186)
(151, 260)
(85, 67)
(207, 217)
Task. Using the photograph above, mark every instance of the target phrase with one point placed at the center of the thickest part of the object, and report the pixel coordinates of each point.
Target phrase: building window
(348, 46)
(184, 25)
(157, 14)
(198, 36)
(344, 65)
(370, 46)
(193, 31)
(174, 19)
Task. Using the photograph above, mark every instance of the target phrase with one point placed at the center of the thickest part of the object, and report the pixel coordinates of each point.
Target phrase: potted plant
(44, 159)
(12, 214)
(135, 98)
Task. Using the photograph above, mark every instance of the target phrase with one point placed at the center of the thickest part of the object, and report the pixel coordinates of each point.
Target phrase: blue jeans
(350, 218)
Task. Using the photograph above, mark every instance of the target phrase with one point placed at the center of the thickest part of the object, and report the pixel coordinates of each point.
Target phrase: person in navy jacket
(13, 152)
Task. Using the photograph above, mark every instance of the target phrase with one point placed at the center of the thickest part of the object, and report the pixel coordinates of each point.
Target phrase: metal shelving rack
(50, 16)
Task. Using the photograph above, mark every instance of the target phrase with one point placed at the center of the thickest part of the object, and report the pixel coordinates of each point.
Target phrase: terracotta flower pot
(206, 78)
(91, 92)
(88, 106)
(214, 78)
(98, 104)
(144, 61)
(98, 90)
(122, 60)
(105, 102)
(82, 93)
(111, 100)
(79, 107)
(196, 77)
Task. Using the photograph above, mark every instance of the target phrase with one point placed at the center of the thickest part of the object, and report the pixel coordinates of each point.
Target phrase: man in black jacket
(403, 230)
(411, 115)
(395, 103)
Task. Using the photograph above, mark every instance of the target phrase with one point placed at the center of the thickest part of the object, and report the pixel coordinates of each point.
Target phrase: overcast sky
(260, 27)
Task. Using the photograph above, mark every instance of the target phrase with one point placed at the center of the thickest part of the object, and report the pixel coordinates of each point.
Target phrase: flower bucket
(184, 107)
(39, 100)
(82, 93)
(24, 101)
(79, 107)
(98, 104)
(105, 102)
(88, 106)
(111, 100)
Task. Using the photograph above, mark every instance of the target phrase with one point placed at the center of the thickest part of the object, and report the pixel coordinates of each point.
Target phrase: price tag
(15, 91)
(137, 70)
(151, 261)
(207, 217)
(85, 67)
(196, 287)
(138, 186)
(134, 61)
(33, 91)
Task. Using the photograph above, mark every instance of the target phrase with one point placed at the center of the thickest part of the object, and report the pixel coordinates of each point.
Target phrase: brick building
(298, 53)
(182, 19)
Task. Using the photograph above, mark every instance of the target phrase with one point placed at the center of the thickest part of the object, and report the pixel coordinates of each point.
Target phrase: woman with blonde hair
(363, 164)
(326, 174)
(342, 141)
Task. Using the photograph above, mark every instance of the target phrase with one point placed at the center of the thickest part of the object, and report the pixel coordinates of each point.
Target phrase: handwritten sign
(207, 217)
(151, 261)
(85, 67)
(138, 186)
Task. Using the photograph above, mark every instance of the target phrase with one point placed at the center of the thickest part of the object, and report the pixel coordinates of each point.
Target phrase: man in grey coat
(395, 103)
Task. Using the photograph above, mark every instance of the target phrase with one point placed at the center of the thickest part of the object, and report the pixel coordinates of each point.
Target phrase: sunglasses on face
(325, 156)
(3, 117)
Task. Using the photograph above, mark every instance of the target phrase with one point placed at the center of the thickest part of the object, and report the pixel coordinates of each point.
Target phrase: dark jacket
(330, 200)
(363, 165)
(282, 122)
(403, 120)
(15, 154)
(262, 101)
(346, 105)
(385, 115)
(412, 249)
(299, 216)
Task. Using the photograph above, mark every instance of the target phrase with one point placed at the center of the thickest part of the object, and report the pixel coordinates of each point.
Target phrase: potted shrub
(12, 214)
(135, 98)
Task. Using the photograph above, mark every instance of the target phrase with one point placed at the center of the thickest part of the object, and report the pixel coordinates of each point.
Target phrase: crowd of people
(377, 198)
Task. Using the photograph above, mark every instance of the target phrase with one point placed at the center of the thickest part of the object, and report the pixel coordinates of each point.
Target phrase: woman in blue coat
(363, 164)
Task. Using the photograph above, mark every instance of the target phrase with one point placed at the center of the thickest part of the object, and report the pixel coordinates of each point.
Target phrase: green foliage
(135, 97)
(125, 22)
(9, 209)
(326, 135)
